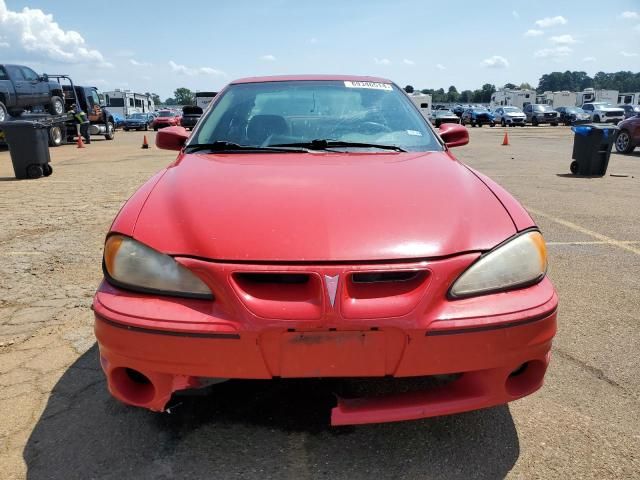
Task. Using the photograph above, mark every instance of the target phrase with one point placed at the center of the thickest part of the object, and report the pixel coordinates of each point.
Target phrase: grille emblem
(332, 287)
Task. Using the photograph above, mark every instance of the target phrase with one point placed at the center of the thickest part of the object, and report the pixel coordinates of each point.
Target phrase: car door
(39, 88)
(527, 111)
(588, 109)
(635, 130)
(23, 88)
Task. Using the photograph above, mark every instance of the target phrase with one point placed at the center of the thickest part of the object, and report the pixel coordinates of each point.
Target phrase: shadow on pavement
(253, 429)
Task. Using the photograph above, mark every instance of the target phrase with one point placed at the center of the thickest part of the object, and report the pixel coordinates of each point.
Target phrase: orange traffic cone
(145, 144)
(505, 140)
(80, 142)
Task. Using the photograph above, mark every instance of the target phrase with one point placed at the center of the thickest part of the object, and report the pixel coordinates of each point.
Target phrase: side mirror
(454, 135)
(171, 138)
(44, 77)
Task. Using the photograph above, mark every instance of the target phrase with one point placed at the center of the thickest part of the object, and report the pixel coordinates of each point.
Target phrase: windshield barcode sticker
(372, 85)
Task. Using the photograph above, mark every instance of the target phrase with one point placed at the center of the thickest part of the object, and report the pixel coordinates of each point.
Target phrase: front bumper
(482, 120)
(174, 343)
(514, 120)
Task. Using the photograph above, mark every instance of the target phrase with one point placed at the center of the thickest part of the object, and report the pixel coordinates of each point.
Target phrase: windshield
(574, 110)
(287, 112)
(138, 115)
(167, 114)
(480, 109)
(543, 108)
(512, 109)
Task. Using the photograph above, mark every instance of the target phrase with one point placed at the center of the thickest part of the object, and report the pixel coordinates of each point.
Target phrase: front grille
(614, 114)
(384, 277)
(273, 278)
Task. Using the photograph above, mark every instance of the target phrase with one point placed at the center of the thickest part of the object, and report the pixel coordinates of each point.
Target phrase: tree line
(623, 81)
(554, 81)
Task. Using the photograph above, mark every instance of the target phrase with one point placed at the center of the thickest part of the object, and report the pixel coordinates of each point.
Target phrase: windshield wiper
(224, 146)
(321, 144)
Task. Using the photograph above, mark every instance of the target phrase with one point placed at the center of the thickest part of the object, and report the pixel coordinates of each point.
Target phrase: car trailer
(58, 125)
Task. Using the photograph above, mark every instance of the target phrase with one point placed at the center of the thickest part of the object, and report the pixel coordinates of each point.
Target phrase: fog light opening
(519, 371)
(133, 386)
(525, 379)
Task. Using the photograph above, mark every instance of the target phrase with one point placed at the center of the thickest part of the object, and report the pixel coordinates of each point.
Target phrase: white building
(558, 99)
(126, 102)
(516, 98)
(591, 95)
(423, 102)
(629, 98)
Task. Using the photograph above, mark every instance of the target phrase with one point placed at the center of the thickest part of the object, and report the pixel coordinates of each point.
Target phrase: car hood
(321, 207)
(515, 114)
(610, 109)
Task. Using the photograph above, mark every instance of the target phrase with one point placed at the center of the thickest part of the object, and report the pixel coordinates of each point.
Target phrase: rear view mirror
(453, 135)
(171, 138)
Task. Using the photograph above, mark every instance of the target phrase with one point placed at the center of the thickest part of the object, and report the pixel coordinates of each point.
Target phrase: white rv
(423, 102)
(629, 98)
(516, 98)
(126, 102)
(591, 95)
(558, 99)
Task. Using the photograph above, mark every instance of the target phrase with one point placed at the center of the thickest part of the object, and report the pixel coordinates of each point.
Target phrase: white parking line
(603, 238)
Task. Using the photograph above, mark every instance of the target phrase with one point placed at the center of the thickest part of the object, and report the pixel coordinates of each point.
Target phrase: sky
(158, 46)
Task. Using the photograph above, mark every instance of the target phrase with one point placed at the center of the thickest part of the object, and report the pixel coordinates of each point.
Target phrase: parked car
(603, 112)
(138, 121)
(438, 117)
(458, 109)
(630, 110)
(628, 136)
(118, 120)
(166, 118)
(22, 89)
(538, 113)
(511, 116)
(240, 259)
(190, 116)
(573, 115)
(477, 116)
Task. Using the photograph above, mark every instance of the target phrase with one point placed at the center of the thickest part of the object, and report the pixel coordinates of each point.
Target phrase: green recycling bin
(591, 149)
(29, 147)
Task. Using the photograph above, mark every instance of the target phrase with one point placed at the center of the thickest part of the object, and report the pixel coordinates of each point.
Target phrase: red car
(628, 136)
(318, 226)
(166, 118)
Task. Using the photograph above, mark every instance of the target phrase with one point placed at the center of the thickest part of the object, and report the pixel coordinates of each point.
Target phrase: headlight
(131, 264)
(519, 262)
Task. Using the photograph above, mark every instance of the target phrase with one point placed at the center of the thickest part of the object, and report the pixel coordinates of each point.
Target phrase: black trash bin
(29, 147)
(591, 149)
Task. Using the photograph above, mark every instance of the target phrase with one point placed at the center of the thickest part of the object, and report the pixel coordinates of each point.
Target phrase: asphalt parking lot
(58, 420)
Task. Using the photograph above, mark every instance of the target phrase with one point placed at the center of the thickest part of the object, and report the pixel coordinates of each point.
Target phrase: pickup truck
(22, 89)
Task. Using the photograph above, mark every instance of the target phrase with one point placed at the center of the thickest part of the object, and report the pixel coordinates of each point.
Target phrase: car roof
(289, 78)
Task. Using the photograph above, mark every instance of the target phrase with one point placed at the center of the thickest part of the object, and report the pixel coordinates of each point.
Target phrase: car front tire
(56, 106)
(596, 118)
(623, 142)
